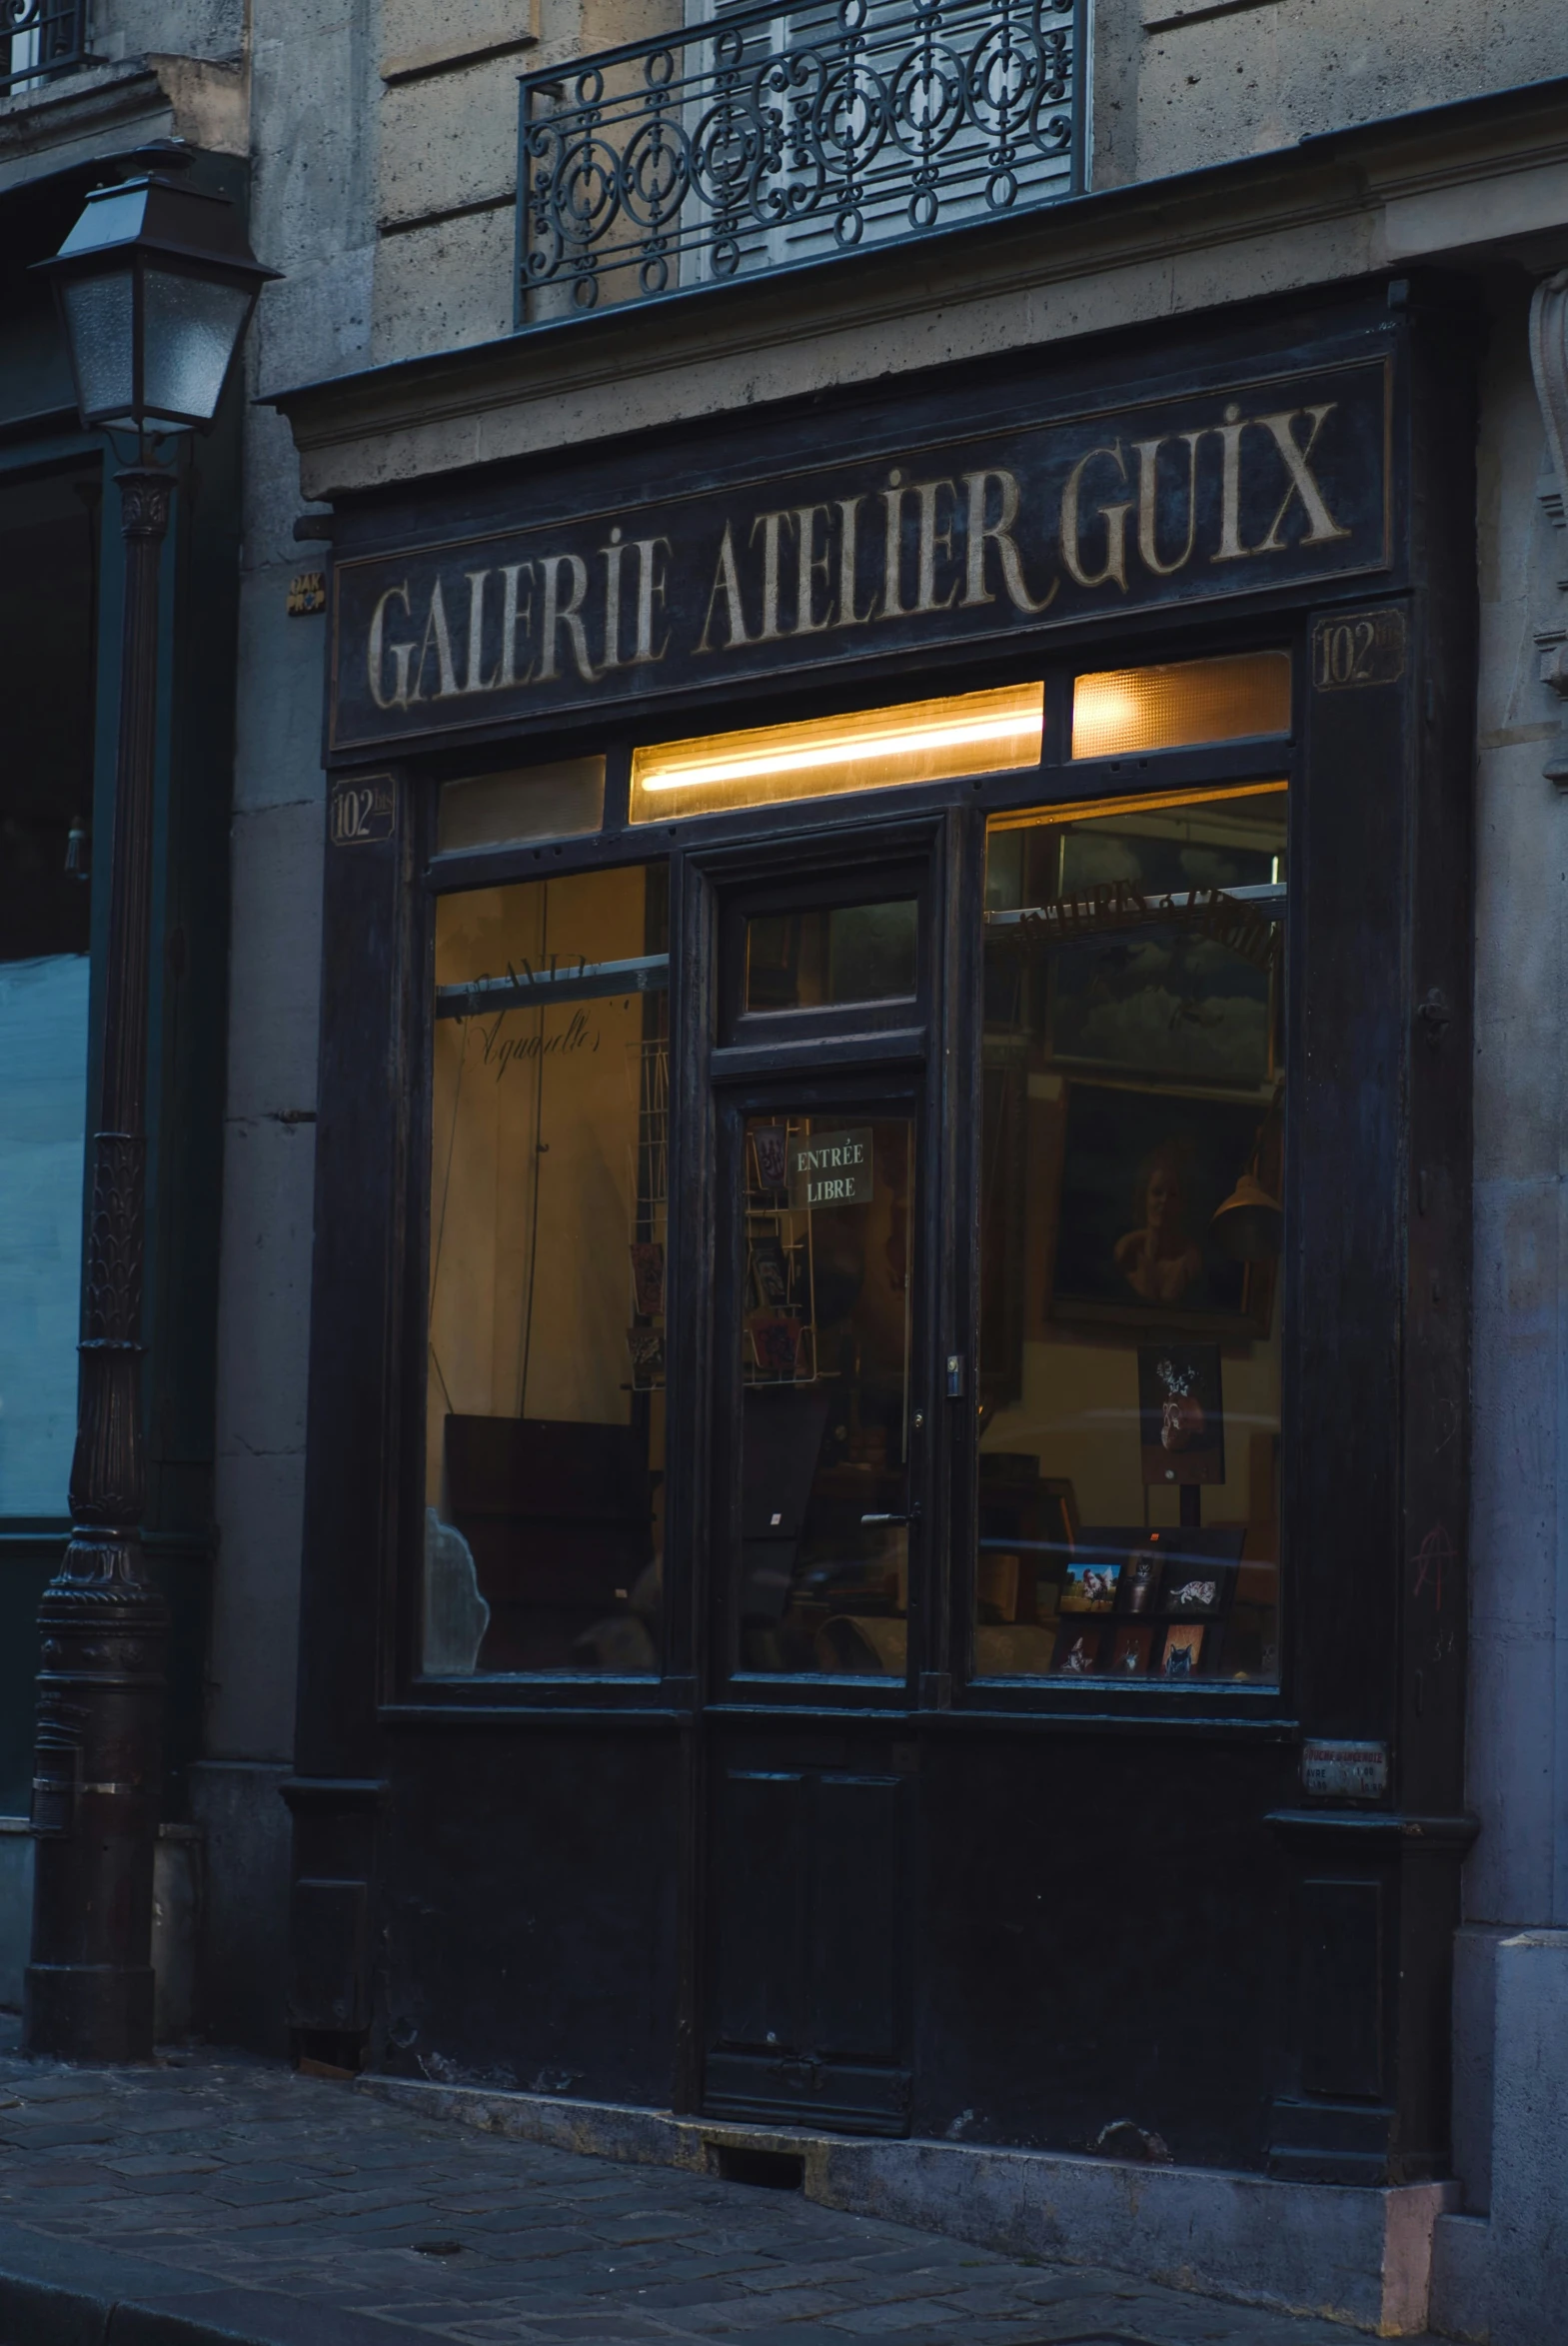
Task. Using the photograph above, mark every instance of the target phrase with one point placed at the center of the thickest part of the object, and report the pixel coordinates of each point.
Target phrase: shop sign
(1271, 483)
(831, 1168)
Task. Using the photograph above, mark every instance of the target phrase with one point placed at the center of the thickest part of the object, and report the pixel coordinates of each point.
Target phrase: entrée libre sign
(1266, 482)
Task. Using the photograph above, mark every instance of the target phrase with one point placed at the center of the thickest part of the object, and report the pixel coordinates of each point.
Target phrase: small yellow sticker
(307, 594)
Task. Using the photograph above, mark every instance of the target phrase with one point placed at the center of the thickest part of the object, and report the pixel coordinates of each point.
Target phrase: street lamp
(155, 285)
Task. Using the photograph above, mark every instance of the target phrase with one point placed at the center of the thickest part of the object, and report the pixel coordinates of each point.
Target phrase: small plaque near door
(1363, 648)
(360, 812)
(1346, 1771)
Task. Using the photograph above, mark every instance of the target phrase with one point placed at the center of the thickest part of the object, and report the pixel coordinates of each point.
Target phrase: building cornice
(1465, 184)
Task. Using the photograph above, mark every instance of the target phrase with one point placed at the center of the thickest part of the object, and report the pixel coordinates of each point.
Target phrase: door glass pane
(1131, 1238)
(824, 1572)
(831, 954)
(544, 1432)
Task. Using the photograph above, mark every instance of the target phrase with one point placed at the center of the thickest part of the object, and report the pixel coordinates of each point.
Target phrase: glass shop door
(824, 1386)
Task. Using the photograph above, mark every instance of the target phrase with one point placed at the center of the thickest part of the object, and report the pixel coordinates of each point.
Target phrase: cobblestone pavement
(225, 2199)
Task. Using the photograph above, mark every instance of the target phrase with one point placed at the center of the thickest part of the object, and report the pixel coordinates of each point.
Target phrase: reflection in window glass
(831, 954)
(1131, 1240)
(549, 1152)
(531, 801)
(824, 1392)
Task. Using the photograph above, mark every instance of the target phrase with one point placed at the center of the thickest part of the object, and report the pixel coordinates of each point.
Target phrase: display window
(549, 1196)
(1122, 1369)
(1131, 1234)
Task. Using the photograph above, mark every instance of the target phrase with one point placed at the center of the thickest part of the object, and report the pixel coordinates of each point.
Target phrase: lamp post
(155, 285)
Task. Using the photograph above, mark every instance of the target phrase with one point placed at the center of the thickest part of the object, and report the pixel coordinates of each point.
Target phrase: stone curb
(66, 2293)
(1361, 2255)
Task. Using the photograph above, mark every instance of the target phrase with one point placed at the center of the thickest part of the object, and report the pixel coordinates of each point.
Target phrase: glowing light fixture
(873, 749)
(1118, 709)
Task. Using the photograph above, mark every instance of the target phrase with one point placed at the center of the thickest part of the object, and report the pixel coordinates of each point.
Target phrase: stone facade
(381, 143)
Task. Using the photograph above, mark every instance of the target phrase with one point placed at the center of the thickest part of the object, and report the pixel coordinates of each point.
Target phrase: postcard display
(893, 1105)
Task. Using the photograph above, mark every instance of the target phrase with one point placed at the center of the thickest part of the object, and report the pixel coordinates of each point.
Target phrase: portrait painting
(1142, 1173)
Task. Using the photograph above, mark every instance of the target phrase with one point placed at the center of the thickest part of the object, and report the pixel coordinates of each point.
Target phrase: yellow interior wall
(1078, 1412)
(495, 1100)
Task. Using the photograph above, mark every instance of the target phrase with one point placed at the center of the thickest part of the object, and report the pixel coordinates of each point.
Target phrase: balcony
(788, 131)
(39, 37)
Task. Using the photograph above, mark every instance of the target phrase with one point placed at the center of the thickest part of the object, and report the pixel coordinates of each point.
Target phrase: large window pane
(546, 1417)
(824, 1568)
(48, 595)
(1131, 1236)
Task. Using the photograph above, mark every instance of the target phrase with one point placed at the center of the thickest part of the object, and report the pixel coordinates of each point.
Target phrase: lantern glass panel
(192, 329)
(99, 315)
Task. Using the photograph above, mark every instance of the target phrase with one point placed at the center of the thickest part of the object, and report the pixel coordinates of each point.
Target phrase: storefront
(886, 1495)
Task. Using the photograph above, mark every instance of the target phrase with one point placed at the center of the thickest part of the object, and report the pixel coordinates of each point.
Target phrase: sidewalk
(217, 2199)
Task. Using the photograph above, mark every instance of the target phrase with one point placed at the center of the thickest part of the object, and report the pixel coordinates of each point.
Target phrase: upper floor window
(773, 131)
(40, 37)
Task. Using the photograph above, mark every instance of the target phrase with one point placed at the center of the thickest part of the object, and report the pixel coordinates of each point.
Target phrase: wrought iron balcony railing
(39, 37)
(781, 131)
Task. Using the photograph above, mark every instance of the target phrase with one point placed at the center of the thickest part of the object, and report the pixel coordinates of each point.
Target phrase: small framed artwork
(776, 1343)
(1181, 1655)
(1195, 1589)
(1138, 1584)
(1077, 1650)
(647, 1348)
(1090, 1587)
(1181, 1418)
(1131, 1647)
(770, 1145)
(648, 1277)
(770, 1271)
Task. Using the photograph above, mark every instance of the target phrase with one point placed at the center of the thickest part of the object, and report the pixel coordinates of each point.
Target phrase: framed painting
(1142, 1172)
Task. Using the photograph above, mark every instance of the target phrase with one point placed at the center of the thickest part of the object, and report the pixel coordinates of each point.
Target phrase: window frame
(721, 857)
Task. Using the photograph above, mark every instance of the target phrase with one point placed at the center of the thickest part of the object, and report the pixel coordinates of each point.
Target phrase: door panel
(856, 1916)
(809, 1994)
(761, 1928)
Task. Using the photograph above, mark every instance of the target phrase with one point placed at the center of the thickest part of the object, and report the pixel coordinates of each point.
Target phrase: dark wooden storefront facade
(930, 1902)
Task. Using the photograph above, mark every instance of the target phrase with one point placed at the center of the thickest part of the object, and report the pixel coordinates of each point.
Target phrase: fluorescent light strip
(846, 749)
